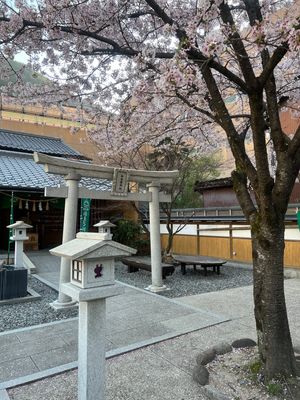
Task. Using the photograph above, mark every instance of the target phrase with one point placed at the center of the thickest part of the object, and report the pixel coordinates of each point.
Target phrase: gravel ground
(37, 312)
(238, 382)
(194, 282)
(229, 378)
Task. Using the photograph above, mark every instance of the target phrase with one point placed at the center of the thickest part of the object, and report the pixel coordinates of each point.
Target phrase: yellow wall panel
(183, 244)
(242, 250)
(214, 246)
(220, 247)
(292, 254)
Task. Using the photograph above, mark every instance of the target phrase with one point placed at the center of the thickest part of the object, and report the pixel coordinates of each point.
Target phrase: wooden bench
(136, 263)
(202, 261)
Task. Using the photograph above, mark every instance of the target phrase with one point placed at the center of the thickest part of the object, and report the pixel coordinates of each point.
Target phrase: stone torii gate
(73, 171)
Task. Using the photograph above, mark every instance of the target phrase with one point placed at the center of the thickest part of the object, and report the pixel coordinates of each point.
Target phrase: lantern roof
(92, 245)
(104, 224)
(19, 225)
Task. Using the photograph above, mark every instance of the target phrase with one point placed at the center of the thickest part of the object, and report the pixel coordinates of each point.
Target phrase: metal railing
(215, 214)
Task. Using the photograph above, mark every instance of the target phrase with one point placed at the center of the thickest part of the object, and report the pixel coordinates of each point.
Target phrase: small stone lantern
(105, 227)
(19, 235)
(92, 260)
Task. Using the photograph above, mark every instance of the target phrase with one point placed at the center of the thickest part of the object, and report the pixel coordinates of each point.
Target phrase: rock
(200, 375)
(297, 348)
(241, 343)
(244, 382)
(168, 259)
(290, 274)
(222, 348)
(206, 356)
(298, 366)
(214, 394)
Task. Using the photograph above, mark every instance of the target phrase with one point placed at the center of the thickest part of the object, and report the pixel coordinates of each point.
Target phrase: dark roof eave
(71, 156)
(28, 142)
(21, 189)
(215, 183)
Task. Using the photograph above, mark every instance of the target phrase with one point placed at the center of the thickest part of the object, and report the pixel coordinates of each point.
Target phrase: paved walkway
(135, 319)
(159, 371)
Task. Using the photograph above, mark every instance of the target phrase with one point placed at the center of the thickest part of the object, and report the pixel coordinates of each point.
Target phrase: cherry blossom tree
(228, 64)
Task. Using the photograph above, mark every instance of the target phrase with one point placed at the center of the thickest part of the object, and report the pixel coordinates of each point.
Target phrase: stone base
(31, 296)
(90, 294)
(156, 289)
(57, 305)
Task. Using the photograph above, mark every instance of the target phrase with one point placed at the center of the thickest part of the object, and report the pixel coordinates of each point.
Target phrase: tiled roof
(16, 141)
(19, 171)
(215, 183)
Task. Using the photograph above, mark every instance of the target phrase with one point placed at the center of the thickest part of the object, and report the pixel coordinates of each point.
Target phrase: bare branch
(272, 63)
(238, 46)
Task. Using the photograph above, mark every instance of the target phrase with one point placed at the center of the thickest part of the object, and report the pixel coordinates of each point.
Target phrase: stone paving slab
(16, 368)
(3, 395)
(166, 366)
(134, 319)
(150, 378)
(30, 348)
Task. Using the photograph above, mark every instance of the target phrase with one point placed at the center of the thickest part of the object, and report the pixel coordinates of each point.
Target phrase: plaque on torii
(73, 171)
(118, 176)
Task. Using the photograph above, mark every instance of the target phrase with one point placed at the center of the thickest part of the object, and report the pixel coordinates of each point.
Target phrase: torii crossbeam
(73, 171)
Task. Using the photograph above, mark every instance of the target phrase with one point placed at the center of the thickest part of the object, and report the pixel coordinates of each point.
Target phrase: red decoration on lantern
(98, 271)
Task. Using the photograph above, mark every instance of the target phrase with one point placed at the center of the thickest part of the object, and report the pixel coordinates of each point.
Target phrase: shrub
(131, 234)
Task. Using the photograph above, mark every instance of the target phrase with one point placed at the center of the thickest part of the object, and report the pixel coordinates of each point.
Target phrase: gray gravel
(36, 312)
(194, 282)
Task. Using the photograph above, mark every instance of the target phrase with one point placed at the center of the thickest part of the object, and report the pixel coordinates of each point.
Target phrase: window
(77, 271)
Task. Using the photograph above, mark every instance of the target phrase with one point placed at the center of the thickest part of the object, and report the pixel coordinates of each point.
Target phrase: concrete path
(135, 319)
(162, 370)
(47, 266)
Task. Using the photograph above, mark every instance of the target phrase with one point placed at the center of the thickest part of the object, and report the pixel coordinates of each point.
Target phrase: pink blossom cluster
(137, 66)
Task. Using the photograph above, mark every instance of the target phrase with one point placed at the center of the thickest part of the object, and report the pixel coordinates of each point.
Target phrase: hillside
(27, 74)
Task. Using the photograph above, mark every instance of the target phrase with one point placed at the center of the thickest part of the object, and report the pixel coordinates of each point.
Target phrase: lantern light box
(92, 258)
(19, 230)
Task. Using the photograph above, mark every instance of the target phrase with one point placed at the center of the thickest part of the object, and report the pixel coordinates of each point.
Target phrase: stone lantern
(105, 227)
(92, 259)
(19, 235)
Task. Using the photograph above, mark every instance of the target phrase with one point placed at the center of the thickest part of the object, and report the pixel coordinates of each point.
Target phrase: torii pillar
(155, 244)
(69, 233)
(73, 171)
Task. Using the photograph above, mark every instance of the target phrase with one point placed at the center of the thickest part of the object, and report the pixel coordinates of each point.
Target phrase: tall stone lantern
(19, 235)
(92, 259)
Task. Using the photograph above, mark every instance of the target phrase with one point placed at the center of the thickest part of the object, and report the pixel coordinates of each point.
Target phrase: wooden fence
(211, 235)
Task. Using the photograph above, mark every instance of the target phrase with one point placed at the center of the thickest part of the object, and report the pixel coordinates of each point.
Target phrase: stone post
(69, 232)
(92, 281)
(91, 338)
(19, 253)
(155, 245)
(91, 349)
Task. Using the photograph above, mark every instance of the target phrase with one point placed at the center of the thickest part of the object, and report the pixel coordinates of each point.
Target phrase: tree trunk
(170, 243)
(169, 226)
(274, 339)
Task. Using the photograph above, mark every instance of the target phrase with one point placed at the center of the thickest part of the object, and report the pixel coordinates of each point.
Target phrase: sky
(22, 57)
